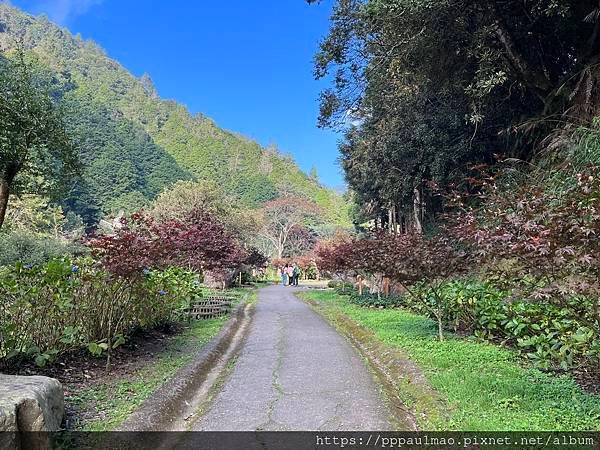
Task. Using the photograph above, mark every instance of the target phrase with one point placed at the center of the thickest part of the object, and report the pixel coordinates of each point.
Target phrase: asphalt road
(295, 372)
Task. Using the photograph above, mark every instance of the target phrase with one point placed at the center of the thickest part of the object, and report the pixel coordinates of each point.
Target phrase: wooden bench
(210, 307)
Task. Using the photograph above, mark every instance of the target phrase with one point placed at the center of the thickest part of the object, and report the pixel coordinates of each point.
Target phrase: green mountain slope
(135, 144)
(124, 168)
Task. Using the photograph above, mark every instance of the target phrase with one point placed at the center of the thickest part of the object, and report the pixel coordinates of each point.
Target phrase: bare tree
(282, 217)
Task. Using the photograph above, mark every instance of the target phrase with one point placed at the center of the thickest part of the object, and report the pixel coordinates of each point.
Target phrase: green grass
(252, 296)
(486, 387)
(113, 402)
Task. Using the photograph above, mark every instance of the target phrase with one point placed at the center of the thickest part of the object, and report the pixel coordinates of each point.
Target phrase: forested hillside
(133, 144)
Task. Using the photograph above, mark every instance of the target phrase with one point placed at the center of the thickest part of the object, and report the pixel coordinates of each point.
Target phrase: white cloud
(61, 11)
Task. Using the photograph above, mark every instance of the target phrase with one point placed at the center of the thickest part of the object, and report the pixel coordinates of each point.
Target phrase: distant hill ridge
(135, 144)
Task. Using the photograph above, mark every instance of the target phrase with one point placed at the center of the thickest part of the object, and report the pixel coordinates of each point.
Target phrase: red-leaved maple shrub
(545, 243)
(405, 258)
(197, 241)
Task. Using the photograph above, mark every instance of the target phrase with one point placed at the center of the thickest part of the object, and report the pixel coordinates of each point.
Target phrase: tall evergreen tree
(425, 89)
(33, 140)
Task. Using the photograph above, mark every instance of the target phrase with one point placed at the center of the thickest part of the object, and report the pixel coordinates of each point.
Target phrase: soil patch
(80, 370)
(588, 378)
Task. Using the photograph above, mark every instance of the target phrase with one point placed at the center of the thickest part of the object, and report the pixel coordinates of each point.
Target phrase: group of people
(289, 274)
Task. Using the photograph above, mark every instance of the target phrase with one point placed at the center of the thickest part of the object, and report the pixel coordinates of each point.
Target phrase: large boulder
(30, 403)
(220, 279)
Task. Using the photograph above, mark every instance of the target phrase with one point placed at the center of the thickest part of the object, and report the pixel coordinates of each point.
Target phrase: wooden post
(359, 281)
(386, 286)
(240, 278)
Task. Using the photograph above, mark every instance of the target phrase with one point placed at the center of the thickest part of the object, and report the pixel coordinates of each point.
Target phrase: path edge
(394, 372)
(165, 405)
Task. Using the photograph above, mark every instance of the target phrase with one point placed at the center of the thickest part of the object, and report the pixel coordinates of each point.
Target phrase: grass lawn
(485, 387)
(105, 406)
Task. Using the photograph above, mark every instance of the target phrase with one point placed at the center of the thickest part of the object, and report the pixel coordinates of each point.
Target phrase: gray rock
(220, 279)
(30, 403)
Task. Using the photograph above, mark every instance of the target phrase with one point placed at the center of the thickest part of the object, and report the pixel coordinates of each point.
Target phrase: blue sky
(247, 65)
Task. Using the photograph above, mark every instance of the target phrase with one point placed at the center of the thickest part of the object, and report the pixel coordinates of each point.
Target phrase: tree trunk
(4, 194)
(417, 210)
(440, 327)
(532, 75)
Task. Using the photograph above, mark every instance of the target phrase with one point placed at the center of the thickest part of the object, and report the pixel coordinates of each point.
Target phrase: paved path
(295, 372)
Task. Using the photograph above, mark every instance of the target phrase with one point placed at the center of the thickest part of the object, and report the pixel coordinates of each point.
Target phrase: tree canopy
(286, 223)
(424, 89)
(35, 149)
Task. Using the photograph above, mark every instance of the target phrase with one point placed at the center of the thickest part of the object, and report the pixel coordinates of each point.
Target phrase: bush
(376, 300)
(546, 333)
(70, 304)
(249, 277)
(199, 241)
(311, 271)
(343, 287)
(367, 298)
(30, 248)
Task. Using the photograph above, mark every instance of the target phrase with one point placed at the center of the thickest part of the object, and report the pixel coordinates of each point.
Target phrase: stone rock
(30, 403)
(219, 279)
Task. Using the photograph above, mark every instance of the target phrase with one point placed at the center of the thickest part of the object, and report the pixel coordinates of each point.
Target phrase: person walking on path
(284, 275)
(295, 274)
(290, 272)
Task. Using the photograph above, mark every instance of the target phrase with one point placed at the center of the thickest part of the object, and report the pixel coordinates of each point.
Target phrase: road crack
(275, 375)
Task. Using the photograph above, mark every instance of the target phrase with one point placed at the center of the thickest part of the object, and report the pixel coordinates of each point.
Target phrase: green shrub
(69, 304)
(376, 300)
(544, 332)
(311, 271)
(343, 287)
(257, 277)
(30, 248)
